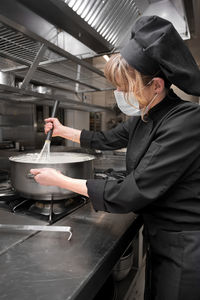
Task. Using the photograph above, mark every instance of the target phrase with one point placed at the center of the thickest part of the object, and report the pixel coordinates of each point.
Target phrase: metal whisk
(45, 152)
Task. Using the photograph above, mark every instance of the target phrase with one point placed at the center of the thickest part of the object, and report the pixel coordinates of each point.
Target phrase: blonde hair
(122, 75)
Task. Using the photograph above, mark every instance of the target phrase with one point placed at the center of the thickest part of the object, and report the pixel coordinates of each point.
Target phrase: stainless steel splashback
(17, 123)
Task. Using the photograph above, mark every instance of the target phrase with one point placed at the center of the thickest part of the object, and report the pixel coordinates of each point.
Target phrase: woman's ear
(158, 85)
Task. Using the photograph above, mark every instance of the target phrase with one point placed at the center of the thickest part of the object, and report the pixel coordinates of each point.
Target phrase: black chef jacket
(163, 164)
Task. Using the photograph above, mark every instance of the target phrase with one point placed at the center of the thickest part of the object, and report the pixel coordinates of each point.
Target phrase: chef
(162, 137)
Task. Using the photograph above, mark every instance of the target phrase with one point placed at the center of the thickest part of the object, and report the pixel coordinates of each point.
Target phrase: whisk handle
(55, 106)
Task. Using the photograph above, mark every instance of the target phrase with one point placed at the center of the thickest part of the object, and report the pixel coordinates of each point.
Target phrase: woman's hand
(58, 128)
(61, 130)
(52, 177)
(47, 176)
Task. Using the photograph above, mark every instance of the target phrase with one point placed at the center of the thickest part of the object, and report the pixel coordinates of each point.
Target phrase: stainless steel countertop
(10, 239)
(45, 265)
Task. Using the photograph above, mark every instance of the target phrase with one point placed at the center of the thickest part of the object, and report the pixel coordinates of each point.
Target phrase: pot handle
(30, 176)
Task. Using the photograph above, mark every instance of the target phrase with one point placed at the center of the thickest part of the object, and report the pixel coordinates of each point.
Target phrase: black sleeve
(108, 140)
(175, 148)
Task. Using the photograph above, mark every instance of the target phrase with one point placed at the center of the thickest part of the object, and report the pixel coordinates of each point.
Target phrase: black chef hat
(156, 47)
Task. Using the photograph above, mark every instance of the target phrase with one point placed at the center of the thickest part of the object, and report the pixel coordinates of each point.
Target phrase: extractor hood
(105, 25)
(29, 52)
(172, 11)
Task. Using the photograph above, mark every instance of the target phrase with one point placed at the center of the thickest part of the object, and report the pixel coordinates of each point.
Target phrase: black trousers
(173, 264)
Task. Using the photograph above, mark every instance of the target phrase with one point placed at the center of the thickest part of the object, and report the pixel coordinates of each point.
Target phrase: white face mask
(132, 109)
(122, 100)
(129, 105)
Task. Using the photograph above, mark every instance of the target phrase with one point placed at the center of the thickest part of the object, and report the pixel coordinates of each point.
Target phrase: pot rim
(16, 159)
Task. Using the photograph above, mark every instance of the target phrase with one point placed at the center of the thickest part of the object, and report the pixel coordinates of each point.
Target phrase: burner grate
(47, 210)
(17, 204)
(54, 211)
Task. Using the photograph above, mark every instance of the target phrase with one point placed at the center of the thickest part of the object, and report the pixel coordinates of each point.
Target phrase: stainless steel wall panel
(17, 124)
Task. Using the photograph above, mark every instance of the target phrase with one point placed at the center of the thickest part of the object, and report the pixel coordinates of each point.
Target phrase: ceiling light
(106, 57)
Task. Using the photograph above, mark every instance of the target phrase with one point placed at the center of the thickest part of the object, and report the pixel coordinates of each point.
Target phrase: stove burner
(44, 207)
(55, 210)
(50, 211)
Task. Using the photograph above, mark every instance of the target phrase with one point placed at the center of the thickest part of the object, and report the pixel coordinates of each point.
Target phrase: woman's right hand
(58, 128)
(61, 130)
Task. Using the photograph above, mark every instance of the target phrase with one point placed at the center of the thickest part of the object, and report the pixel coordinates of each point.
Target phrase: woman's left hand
(47, 176)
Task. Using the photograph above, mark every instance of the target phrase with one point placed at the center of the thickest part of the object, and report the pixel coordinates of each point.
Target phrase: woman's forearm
(71, 134)
(53, 177)
(74, 185)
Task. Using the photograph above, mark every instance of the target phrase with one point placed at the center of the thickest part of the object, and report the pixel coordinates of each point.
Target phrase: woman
(163, 155)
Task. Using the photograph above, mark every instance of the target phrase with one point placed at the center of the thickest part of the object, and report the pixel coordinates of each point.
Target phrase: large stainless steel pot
(75, 165)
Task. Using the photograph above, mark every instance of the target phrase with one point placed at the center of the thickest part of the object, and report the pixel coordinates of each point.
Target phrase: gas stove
(50, 211)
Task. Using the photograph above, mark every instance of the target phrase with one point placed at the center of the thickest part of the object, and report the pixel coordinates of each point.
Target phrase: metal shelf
(31, 58)
(9, 93)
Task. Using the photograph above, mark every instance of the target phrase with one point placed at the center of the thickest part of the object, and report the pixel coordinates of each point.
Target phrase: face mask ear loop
(146, 109)
(128, 98)
(149, 82)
